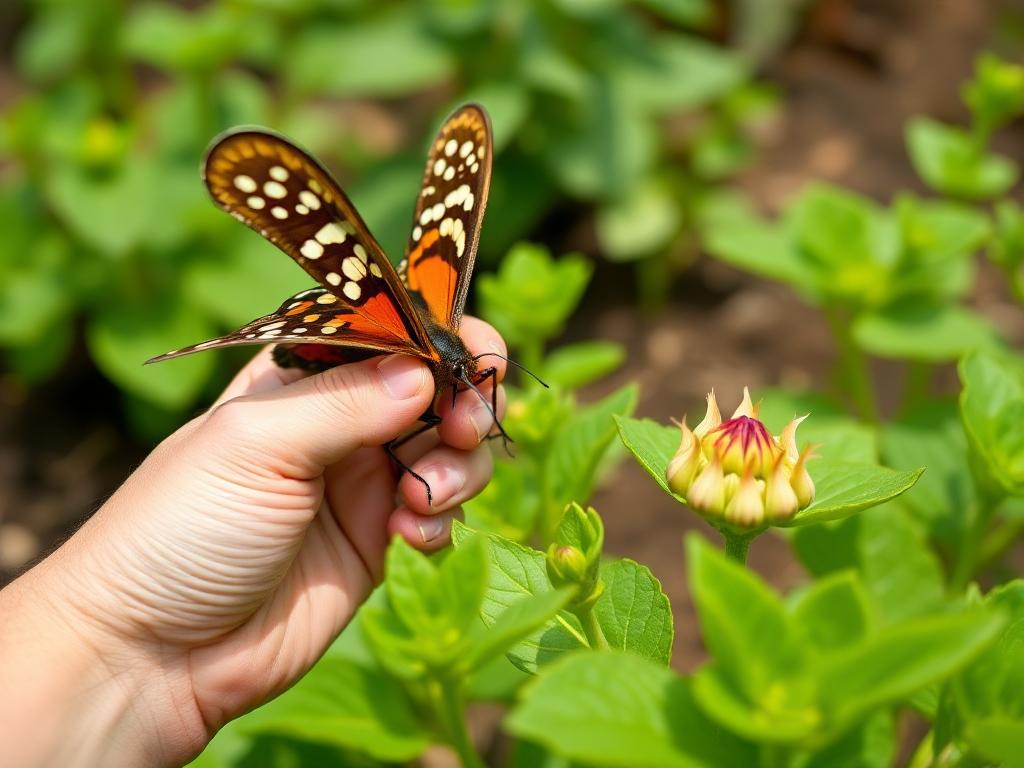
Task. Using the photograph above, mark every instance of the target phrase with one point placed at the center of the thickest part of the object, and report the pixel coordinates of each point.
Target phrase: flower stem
(591, 627)
(737, 545)
(855, 374)
(449, 709)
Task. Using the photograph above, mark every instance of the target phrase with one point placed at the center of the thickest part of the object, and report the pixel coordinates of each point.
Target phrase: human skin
(229, 560)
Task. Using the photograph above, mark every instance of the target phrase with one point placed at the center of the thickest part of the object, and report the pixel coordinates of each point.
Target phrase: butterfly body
(362, 306)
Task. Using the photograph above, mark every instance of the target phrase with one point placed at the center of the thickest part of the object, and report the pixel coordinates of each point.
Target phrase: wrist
(78, 695)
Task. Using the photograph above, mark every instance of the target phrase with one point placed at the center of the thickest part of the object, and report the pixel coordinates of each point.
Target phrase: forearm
(74, 697)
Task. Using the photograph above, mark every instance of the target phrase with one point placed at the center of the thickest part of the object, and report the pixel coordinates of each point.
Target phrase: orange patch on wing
(298, 310)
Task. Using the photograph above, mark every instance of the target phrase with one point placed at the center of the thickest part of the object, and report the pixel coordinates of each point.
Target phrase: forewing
(315, 316)
(450, 208)
(284, 194)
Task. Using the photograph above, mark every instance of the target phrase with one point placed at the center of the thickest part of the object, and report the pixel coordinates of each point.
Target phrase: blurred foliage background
(620, 117)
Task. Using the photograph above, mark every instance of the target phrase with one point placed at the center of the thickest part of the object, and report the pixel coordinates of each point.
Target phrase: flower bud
(711, 419)
(800, 479)
(685, 463)
(737, 470)
(574, 558)
(707, 493)
(746, 508)
(780, 500)
(566, 566)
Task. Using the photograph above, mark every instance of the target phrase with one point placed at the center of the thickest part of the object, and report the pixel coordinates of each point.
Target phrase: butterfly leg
(481, 377)
(430, 420)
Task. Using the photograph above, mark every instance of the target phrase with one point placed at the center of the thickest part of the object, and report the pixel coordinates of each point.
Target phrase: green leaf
(122, 337)
(992, 408)
(737, 611)
(578, 446)
(250, 271)
(834, 612)
(1000, 739)
(989, 694)
(93, 207)
(950, 161)
(346, 705)
(678, 72)
(53, 43)
(184, 41)
(872, 745)
(612, 709)
(508, 104)
(575, 365)
(634, 613)
(520, 620)
(840, 437)
(842, 487)
(414, 59)
(899, 568)
(639, 223)
(517, 572)
(759, 247)
(532, 295)
(932, 436)
(922, 331)
(851, 242)
(432, 600)
(995, 95)
(900, 660)
(603, 146)
(692, 13)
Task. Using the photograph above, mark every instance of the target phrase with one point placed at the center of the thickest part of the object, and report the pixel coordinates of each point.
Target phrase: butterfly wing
(284, 194)
(446, 225)
(312, 318)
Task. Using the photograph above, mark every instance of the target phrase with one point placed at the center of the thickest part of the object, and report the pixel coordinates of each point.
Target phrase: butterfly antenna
(521, 367)
(505, 438)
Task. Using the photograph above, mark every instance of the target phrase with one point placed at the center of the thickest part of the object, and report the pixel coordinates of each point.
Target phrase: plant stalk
(591, 627)
(855, 374)
(450, 711)
(737, 545)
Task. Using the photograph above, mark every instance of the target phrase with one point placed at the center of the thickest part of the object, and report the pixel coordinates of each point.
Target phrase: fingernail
(482, 420)
(402, 376)
(444, 482)
(432, 527)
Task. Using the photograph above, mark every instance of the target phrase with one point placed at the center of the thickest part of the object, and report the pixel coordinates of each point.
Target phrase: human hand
(227, 563)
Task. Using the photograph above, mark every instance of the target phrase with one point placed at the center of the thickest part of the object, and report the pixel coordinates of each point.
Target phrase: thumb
(319, 420)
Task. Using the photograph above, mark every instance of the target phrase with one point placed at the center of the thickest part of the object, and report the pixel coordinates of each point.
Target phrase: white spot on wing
(310, 200)
(352, 291)
(450, 147)
(331, 232)
(278, 212)
(327, 298)
(359, 251)
(275, 190)
(311, 249)
(245, 183)
(256, 203)
(333, 278)
(439, 166)
(353, 268)
(279, 173)
(465, 149)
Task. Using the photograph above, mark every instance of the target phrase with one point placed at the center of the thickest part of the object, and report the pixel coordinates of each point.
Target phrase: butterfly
(362, 306)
